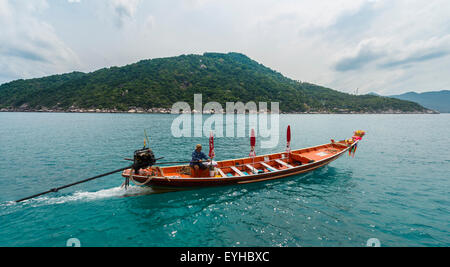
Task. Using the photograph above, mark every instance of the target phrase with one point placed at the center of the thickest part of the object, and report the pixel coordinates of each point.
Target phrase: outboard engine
(143, 158)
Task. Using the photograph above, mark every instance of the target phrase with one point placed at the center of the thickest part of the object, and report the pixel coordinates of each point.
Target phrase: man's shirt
(197, 156)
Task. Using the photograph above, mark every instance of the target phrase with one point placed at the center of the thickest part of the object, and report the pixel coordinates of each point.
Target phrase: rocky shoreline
(168, 111)
(91, 110)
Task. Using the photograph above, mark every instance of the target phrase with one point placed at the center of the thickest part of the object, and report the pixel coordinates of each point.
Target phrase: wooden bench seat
(270, 168)
(284, 163)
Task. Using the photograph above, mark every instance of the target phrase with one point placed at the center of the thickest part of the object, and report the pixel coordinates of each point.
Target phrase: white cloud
(29, 47)
(407, 41)
(124, 10)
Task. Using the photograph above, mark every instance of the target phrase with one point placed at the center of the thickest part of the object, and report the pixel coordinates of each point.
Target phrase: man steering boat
(197, 161)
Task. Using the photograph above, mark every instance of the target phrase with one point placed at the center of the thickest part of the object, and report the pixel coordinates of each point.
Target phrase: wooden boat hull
(171, 177)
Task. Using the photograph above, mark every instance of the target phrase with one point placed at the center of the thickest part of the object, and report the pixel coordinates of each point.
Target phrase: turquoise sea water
(396, 189)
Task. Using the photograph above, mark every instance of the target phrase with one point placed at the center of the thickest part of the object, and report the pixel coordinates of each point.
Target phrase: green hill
(159, 83)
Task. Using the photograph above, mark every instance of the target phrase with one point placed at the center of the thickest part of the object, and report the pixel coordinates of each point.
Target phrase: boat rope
(149, 178)
(130, 177)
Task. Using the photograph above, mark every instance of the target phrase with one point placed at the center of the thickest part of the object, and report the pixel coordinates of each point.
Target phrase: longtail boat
(145, 172)
(246, 170)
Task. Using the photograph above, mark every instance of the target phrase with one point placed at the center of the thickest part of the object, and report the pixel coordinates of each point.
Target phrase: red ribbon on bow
(288, 138)
(212, 154)
(252, 144)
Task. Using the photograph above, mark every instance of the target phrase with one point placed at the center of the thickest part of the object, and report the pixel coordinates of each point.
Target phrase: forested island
(153, 86)
(439, 101)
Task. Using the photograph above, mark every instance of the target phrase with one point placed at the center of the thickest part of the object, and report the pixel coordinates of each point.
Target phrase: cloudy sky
(384, 46)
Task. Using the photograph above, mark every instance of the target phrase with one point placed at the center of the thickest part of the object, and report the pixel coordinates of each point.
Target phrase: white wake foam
(92, 196)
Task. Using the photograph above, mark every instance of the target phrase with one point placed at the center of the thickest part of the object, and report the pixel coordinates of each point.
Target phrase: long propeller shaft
(54, 190)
